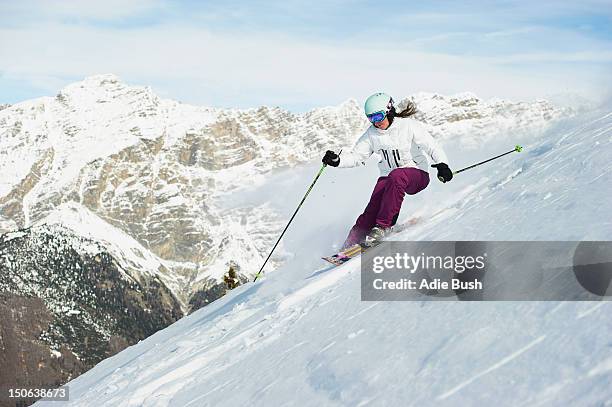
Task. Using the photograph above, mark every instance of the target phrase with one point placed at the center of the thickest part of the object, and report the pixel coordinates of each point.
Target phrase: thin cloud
(511, 32)
(593, 57)
(440, 38)
(204, 60)
(55, 10)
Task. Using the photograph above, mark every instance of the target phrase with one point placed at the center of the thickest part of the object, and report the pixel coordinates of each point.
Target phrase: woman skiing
(403, 167)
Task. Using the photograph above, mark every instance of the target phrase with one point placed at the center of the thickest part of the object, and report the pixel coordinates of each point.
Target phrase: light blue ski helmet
(378, 102)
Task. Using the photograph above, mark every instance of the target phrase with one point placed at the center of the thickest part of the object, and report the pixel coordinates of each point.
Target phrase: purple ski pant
(386, 201)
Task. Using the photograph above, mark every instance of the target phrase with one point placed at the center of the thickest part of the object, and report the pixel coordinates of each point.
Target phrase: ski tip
(518, 148)
(332, 260)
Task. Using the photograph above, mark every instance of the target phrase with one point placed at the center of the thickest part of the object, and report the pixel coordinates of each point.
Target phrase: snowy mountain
(157, 171)
(175, 196)
(302, 336)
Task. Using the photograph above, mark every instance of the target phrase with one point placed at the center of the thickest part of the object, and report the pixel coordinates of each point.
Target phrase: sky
(302, 54)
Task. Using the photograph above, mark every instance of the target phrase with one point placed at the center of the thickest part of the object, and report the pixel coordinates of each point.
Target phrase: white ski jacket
(401, 145)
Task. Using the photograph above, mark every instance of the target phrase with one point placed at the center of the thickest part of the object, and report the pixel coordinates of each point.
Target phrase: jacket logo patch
(394, 159)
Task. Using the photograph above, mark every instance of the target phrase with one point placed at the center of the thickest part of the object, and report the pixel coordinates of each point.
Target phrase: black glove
(444, 173)
(331, 158)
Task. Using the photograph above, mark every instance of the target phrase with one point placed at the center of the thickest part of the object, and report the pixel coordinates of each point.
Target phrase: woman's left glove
(444, 173)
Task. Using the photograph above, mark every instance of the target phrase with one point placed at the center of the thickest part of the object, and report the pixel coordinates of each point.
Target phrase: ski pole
(290, 220)
(517, 148)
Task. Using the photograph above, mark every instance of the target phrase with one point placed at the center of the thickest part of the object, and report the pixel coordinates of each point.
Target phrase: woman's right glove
(331, 158)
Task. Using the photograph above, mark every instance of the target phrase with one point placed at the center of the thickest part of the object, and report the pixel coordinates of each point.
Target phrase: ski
(344, 255)
(349, 253)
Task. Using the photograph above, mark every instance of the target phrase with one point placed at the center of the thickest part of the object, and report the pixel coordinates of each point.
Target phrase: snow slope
(301, 335)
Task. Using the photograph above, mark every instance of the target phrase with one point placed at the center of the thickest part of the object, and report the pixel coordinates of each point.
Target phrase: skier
(403, 167)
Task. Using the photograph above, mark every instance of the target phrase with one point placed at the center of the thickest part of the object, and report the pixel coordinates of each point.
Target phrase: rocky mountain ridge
(154, 169)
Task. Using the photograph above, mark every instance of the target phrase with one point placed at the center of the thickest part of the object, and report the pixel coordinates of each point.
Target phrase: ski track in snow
(492, 368)
(590, 310)
(602, 368)
(362, 311)
(312, 288)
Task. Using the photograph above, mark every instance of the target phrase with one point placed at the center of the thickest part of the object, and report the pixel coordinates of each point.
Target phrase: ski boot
(375, 236)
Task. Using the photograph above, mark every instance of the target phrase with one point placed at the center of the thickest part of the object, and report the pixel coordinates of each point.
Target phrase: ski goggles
(376, 117)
